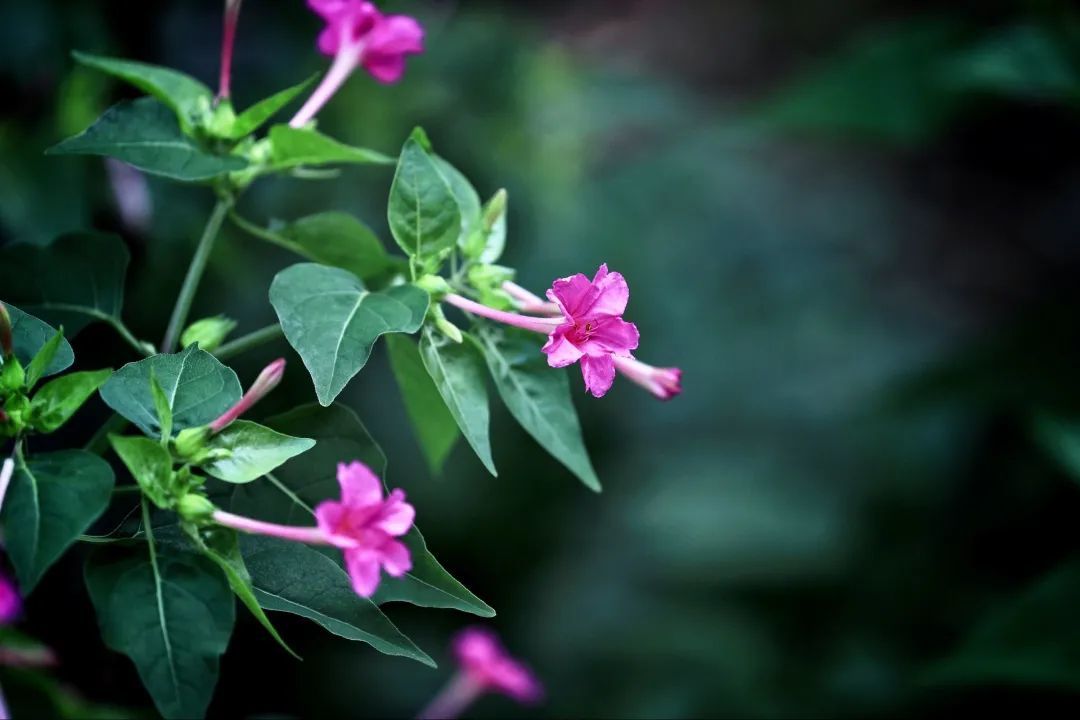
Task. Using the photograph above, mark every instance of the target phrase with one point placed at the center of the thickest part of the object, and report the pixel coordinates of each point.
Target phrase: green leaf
(183, 94)
(304, 482)
(458, 374)
(29, 335)
(55, 403)
(292, 147)
(143, 133)
(223, 548)
(293, 578)
(251, 451)
(53, 498)
(468, 200)
(337, 239)
(149, 463)
(435, 427)
(198, 388)
(537, 396)
(44, 357)
(171, 612)
(423, 211)
(495, 235)
(332, 321)
(252, 119)
(76, 279)
(161, 407)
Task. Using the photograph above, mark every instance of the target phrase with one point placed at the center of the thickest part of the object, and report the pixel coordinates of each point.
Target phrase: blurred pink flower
(364, 526)
(268, 380)
(358, 35)
(10, 601)
(483, 658)
(664, 383)
(593, 331)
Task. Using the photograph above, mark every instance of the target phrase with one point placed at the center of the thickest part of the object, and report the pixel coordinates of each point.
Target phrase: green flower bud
(446, 327)
(494, 210)
(190, 444)
(435, 285)
(195, 508)
(209, 332)
(12, 376)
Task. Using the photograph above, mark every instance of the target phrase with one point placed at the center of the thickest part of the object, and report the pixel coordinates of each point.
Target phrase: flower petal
(395, 557)
(396, 516)
(386, 69)
(363, 567)
(612, 293)
(332, 519)
(612, 335)
(360, 487)
(574, 295)
(599, 373)
(396, 35)
(560, 351)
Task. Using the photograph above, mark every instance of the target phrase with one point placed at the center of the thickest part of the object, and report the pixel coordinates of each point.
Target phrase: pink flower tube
(363, 524)
(228, 40)
(485, 666)
(268, 379)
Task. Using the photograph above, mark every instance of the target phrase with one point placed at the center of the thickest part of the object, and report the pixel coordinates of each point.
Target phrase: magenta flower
(268, 380)
(10, 601)
(358, 35)
(364, 526)
(485, 667)
(593, 331)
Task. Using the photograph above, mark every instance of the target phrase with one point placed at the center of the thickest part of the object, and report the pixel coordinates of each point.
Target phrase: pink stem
(310, 535)
(525, 322)
(228, 40)
(453, 699)
(345, 62)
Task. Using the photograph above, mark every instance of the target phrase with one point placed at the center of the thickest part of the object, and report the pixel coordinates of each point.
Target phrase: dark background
(853, 224)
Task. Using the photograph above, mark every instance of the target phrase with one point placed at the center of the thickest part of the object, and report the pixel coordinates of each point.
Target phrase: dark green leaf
(143, 133)
(253, 451)
(340, 240)
(332, 321)
(184, 95)
(53, 498)
(161, 406)
(29, 335)
(537, 396)
(293, 578)
(458, 373)
(435, 427)
(304, 482)
(171, 612)
(149, 463)
(292, 147)
(198, 387)
(252, 119)
(55, 403)
(43, 359)
(76, 279)
(423, 211)
(467, 199)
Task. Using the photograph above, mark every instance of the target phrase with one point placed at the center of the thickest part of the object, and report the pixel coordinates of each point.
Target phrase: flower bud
(434, 285)
(190, 444)
(494, 210)
(195, 508)
(446, 327)
(268, 380)
(12, 375)
(209, 332)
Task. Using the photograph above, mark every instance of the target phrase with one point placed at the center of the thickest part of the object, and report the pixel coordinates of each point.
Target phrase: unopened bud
(209, 332)
(190, 444)
(494, 210)
(268, 380)
(195, 508)
(435, 285)
(446, 327)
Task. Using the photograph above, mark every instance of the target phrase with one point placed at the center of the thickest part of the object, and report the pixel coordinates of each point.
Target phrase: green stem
(99, 443)
(263, 234)
(194, 274)
(121, 329)
(247, 342)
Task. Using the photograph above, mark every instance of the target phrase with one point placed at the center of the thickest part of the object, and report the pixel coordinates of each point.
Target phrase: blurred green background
(855, 225)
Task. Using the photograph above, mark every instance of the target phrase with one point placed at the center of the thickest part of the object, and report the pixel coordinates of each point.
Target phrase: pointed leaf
(184, 95)
(29, 335)
(52, 499)
(253, 451)
(76, 279)
(143, 133)
(149, 463)
(332, 321)
(468, 200)
(458, 373)
(435, 427)
(44, 357)
(56, 401)
(423, 211)
(537, 396)
(337, 239)
(198, 387)
(304, 482)
(293, 578)
(168, 610)
(292, 147)
(252, 119)
(161, 406)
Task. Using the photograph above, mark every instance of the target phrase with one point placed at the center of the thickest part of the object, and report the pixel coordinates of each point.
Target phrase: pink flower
(268, 379)
(358, 35)
(484, 660)
(364, 526)
(664, 383)
(10, 601)
(593, 331)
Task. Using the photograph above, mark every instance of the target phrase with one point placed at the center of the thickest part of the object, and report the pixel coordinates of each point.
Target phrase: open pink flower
(487, 664)
(358, 35)
(364, 526)
(593, 331)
